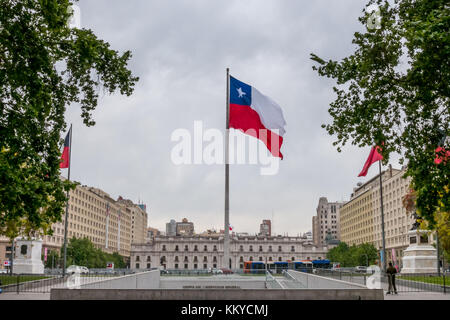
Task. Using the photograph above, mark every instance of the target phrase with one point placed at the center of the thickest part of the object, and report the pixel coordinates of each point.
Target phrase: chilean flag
(66, 152)
(257, 115)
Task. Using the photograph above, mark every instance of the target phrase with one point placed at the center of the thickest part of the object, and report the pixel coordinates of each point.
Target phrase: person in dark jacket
(391, 271)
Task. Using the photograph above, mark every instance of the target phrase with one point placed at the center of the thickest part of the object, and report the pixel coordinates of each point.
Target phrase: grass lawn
(6, 280)
(426, 279)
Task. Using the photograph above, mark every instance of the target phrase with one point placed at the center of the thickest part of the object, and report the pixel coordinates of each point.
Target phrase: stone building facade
(199, 252)
(361, 216)
(326, 222)
(93, 214)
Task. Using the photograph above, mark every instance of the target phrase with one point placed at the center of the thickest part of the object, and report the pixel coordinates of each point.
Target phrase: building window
(176, 265)
(241, 266)
(148, 265)
(292, 249)
(195, 248)
(260, 258)
(215, 259)
(186, 248)
(251, 248)
(186, 259)
(215, 248)
(205, 259)
(195, 259)
(148, 258)
(260, 249)
(195, 266)
(251, 259)
(279, 249)
(164, 247)
(176, 248)
(205, 266)
(137, 265)
(205, 248)
(137, 258)
(214, 266)
(241, 259)
(241, 248)
(279, 258)
(270, 248)
(176, 258)
(185, 265)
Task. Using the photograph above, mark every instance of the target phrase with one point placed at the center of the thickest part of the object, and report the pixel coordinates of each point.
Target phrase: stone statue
(416, 224)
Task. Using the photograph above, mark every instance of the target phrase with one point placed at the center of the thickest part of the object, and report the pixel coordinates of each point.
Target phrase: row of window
(241, 248)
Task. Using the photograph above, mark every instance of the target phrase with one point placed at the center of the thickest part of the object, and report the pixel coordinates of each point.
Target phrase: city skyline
(182, 79)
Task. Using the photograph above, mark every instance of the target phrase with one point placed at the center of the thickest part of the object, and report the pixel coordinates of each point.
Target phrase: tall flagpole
(382, 221)
(226, 242)
(67, 205)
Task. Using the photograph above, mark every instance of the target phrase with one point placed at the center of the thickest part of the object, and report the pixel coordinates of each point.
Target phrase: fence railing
(414, 282)
(43, 283)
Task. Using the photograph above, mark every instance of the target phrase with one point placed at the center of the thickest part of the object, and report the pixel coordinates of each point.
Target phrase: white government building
(204, 252)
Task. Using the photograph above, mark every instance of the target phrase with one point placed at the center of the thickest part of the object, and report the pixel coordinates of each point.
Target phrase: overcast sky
(181, 50)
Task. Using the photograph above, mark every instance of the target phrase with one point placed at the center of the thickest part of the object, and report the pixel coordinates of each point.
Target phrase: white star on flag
(240, 92)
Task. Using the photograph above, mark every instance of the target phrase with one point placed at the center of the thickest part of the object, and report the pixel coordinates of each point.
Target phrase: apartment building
(326, 223)
(361, 216)
(93, 214)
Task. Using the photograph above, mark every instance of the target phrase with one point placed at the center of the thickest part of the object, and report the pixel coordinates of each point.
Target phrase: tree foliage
(82, 252)
(352, 256)
(45, 66)
(393, 91)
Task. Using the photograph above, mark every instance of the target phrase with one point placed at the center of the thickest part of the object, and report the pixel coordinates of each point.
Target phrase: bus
(280, 266)
(303, 266)
(321, 264)
(254, 267)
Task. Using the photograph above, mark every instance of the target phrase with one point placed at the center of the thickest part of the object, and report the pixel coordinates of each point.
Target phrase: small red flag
(374, 156)
(65, 155)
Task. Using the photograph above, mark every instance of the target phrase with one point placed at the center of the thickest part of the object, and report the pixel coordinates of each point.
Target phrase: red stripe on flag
(248, 121)
(65, 158)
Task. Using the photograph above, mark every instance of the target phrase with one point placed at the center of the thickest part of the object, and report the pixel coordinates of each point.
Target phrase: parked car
(215, 271)
(226, 271)
(361, 269)
(77, 269)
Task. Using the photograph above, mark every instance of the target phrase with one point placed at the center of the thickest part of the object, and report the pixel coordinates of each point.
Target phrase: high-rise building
(171, 228)
(326, 222)
(93, 214)
(265, 228)
(185, 228)
(138, 220)
(361, 216)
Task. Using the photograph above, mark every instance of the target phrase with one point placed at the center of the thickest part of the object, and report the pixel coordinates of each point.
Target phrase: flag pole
(382, 221)
(226, 242)
(67, 205)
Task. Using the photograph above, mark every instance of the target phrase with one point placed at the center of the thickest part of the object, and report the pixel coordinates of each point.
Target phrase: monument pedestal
(27, 257)
(420, 256)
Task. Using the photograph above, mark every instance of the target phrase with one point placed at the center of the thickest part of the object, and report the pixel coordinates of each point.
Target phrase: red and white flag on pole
(374, 156)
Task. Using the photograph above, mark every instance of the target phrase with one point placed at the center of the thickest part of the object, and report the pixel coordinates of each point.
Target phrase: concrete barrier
(143, 280)
(215, 294)
(313, 281)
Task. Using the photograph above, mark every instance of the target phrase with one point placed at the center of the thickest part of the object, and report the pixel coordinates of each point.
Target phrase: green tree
(53, 259)
(393, 91)
(45, 66)
(352, 256)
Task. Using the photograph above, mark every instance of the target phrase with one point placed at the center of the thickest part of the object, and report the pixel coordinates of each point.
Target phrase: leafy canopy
(393, 91)
(45, 66)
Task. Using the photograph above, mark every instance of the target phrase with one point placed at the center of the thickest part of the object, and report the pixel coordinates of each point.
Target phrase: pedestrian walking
(391, 271)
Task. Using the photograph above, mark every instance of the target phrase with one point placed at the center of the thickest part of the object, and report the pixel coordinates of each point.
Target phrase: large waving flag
(374, 156)
(257, 115)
